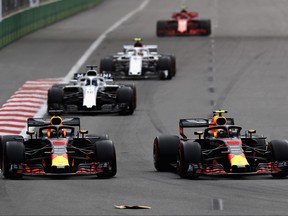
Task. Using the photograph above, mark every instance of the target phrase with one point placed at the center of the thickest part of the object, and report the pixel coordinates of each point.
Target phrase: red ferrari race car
(183, 23)
(57, 147)
(220, 149)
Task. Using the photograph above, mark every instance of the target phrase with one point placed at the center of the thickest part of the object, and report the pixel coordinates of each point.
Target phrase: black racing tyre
(105, 152)
(165, 151)
(55, 99)
(14, 153)
(165, 64)
(173, 64)
(161, 28)
(173, 59)
(4, 139)
(106, 65)
(188, 153)
(279, 149)
(133, 87)
(125, 96)
(206, 25)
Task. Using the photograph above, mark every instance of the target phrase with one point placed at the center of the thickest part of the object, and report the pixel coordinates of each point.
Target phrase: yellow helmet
(137, 39)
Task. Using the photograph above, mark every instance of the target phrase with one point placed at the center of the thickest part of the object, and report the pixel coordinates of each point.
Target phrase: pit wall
(22, 23)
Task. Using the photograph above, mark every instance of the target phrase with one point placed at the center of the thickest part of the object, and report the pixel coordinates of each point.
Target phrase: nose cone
(238, 163)
(60, 161)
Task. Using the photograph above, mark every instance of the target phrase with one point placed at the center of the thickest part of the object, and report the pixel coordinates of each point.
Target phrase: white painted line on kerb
(89, 52)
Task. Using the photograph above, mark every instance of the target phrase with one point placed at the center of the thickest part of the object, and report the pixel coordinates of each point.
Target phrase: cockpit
(223, 131)
(89, 81)
(137, 51)
(56, 132)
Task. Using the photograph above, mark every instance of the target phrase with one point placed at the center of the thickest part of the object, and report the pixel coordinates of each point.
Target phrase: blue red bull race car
(57, 147)
(220, 149)
(184, 23)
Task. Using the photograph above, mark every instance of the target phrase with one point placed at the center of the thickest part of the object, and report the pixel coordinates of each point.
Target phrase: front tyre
(165, 151)
(125, 100)
(188, 153)
(4, 140)
(105, 153)
(14, 155)
(279, 149)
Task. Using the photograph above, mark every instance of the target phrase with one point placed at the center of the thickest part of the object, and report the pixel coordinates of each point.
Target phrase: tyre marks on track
(25, 103)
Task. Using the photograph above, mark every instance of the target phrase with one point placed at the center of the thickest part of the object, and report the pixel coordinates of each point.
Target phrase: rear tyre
(188, 153)
(165, 66)
(165, 152)
(161, 28)
(105, 153)
(126, 98)
(279, 149)
(205, 25)
(14, 154)
(106, 65)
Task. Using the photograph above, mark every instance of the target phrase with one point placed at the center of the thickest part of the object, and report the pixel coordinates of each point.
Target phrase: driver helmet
(56, 120)
(51, 133)
(62, 133)
(94, 82)
(183, 8)
(217, 119)
(138, 42)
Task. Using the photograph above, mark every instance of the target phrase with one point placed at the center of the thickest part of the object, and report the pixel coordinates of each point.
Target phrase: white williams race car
(139, 62)
(92, 92)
